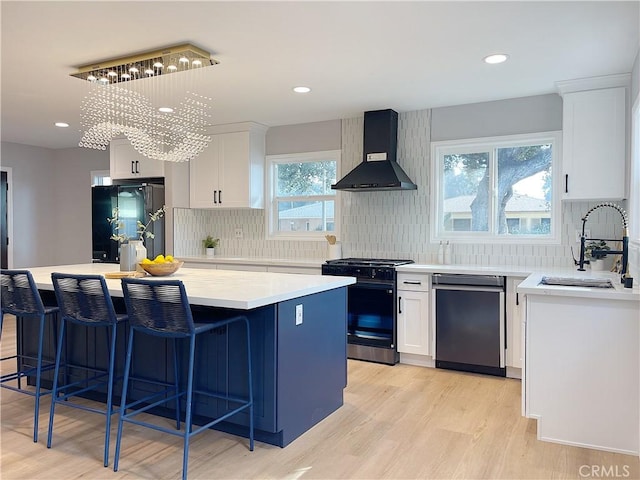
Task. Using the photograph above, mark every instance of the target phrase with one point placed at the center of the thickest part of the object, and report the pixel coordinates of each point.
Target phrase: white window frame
(634, 186)
(271, 215)
(439, 149)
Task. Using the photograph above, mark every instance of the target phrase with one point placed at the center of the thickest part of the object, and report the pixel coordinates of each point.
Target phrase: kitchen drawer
(414, 282)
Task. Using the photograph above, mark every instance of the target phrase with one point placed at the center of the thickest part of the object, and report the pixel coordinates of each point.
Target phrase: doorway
(6, 260)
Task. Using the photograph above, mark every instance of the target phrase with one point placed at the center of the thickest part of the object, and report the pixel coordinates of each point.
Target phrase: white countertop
(215, 288)
(289, 262)
(532, 286)
(505, 270)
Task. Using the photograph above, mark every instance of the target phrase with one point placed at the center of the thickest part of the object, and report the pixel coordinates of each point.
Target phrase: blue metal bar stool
(161, 308)
(85, 300)
(20, 297)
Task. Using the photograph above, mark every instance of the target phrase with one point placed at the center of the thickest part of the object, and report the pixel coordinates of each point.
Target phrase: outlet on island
(239, 233)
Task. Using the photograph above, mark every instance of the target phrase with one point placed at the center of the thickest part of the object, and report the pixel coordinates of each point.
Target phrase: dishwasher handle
(468, 288)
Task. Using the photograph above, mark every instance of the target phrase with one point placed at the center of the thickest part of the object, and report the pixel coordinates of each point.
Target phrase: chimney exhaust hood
(379, 170)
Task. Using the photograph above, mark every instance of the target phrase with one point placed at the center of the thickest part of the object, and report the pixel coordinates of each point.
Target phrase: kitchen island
(582, 357)
(299, 361)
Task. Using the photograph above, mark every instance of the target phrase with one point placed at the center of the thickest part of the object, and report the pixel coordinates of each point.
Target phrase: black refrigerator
(135, 201)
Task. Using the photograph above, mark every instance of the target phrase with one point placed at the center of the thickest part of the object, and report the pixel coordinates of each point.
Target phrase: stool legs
(123, 400)
(111, 340)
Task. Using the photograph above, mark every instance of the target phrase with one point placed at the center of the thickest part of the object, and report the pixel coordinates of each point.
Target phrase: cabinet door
(514, 324)
(126, 162)
(413, 322)
(234, 172)
(204, 177)
(594, 144)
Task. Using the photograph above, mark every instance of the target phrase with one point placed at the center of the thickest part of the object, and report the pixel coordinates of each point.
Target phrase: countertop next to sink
(531, 284)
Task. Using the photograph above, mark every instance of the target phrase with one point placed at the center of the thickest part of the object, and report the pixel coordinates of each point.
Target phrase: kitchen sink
(577, 282)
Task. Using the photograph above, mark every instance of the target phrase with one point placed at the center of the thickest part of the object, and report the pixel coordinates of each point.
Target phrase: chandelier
(133, 96)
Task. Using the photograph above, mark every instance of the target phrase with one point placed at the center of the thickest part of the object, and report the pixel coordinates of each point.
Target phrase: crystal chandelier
(131, 96)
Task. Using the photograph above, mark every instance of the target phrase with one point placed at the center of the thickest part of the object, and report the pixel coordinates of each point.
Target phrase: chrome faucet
(625, 239)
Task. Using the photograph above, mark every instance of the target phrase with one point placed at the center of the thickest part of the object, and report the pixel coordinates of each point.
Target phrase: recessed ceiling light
(301, 89)
(166, 109)
(61, 124)
(496, 58)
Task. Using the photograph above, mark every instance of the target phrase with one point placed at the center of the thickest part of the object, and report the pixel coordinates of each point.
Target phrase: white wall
(51, 202)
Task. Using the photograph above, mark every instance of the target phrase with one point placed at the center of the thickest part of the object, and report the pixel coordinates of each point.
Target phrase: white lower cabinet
(413, 314)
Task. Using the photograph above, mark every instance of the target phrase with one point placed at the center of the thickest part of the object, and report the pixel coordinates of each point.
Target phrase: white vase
(210, 252)
(597, 265)
(141, 253)
(127, 257)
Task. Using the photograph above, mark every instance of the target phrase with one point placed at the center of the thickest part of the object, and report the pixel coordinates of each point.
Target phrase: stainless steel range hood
(379, 170)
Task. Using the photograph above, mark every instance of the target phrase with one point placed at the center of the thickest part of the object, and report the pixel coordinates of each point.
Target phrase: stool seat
(85, 300)
(19, 296)
(161, 308)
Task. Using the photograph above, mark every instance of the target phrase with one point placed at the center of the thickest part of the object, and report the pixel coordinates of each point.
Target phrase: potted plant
(596, 259)
(210, 245)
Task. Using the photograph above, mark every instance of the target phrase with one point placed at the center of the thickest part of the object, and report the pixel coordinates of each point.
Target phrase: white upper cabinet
(594, 141)
(126, 162)
(229, 173)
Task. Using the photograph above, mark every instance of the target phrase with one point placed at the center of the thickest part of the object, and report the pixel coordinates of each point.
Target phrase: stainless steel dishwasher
(470, 322)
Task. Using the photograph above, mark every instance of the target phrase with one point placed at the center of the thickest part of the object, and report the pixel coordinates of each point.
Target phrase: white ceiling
(356, 56)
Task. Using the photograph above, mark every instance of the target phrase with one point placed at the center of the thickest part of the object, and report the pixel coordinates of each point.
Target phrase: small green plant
(593, 245)
(210, 242)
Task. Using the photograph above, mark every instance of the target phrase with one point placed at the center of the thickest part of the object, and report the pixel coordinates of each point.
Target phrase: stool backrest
(19, 293)
(84, 299)
(161, 307)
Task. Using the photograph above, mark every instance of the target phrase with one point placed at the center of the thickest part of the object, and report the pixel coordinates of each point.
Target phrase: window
(496, 189)
(302, 204)
(634, 188)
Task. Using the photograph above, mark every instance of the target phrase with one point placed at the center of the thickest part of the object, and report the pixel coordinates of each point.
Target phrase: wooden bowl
(161, 269)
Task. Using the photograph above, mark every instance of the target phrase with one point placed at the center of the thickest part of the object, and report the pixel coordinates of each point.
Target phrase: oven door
(371, 319)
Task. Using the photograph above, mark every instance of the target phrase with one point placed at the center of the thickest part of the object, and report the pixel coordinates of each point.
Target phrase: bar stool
(20, 297)
(161, 308)
(84, 300)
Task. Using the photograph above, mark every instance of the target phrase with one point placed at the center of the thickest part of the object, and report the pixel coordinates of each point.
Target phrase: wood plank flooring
(399, 422)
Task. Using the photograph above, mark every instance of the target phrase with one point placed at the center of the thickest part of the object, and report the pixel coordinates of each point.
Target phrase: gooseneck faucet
(625, 238)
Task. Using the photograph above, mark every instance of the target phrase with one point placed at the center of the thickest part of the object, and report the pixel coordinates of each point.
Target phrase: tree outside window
(303, 203)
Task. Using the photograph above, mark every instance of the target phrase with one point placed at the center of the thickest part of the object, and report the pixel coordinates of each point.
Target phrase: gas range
(372, 269)
(372, 307)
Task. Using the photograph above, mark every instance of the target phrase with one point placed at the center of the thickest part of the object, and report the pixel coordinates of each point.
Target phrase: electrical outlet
(587, 234)
(299, 314)
(239, 233)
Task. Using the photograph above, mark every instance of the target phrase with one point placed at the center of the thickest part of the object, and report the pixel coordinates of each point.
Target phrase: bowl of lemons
(161, 266)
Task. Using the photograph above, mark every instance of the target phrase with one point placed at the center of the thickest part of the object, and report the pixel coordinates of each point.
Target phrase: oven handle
(373, 285)
(468, 288)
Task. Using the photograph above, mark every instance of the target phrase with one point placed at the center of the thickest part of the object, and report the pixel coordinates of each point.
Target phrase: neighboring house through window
(496, 189)
(302, 204)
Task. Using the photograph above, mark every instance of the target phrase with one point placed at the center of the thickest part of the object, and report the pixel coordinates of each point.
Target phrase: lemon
(168, 259)
(159, 259)
(146, 261)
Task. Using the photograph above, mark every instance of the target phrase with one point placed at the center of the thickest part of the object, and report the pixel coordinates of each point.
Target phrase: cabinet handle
(137, 166)
(399, 304)
(132, 170)
(517, 298)
(412, 283)
(215, 196)
(219, 196)
(566, 183)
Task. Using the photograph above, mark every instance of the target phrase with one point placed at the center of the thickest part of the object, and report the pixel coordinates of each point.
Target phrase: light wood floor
(397, 422)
